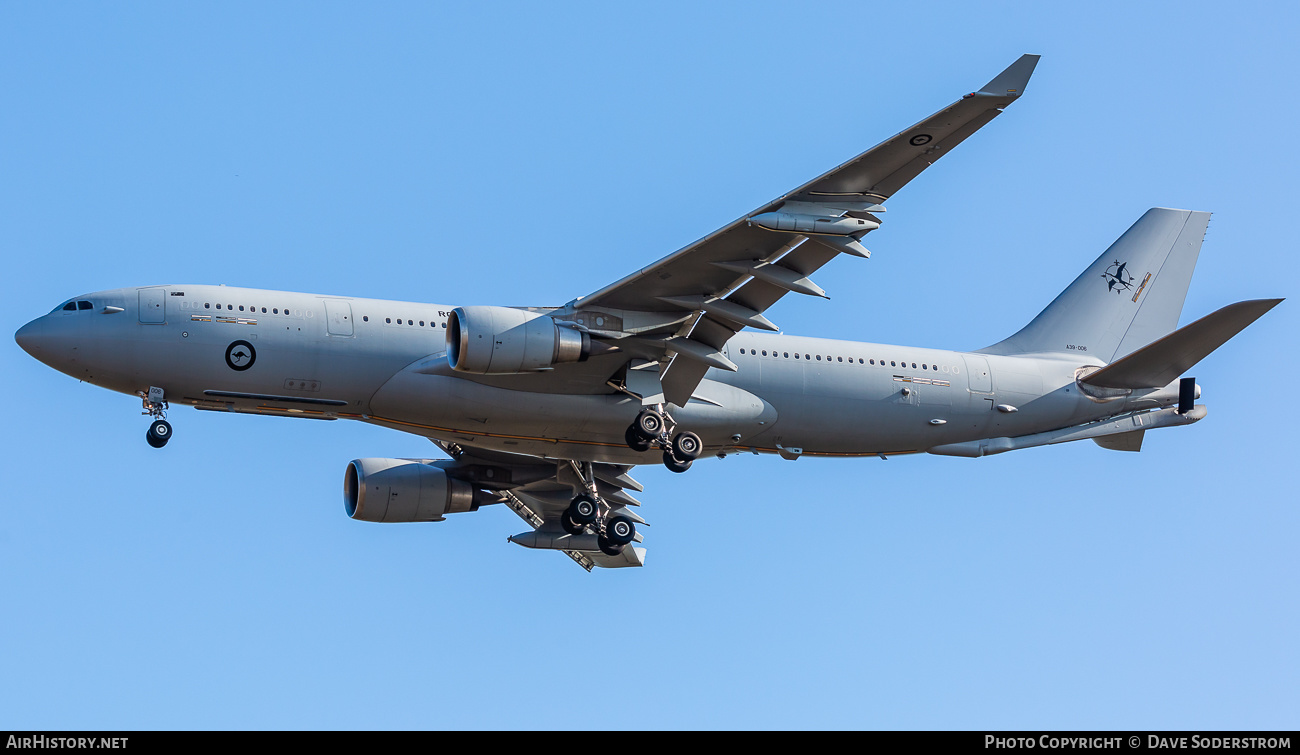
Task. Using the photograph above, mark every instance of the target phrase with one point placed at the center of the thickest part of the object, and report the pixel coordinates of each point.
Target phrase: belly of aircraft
(449, 407)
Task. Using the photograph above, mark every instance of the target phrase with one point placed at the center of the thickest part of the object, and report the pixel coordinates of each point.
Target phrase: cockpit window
(70, 307)
(85, 305)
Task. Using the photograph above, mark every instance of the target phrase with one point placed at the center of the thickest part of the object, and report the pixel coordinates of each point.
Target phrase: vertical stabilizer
(1131, 296)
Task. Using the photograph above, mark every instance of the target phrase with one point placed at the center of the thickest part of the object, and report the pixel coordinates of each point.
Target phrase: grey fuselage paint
(334, 357)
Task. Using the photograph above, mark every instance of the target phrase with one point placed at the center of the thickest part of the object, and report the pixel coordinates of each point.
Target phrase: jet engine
(402, 490)
(506, 341)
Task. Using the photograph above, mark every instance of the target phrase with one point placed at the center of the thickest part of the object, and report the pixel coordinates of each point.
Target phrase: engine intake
(402, 490)
(506, 341)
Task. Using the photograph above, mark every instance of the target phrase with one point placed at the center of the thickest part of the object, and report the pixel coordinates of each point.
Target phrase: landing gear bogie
(654, 428)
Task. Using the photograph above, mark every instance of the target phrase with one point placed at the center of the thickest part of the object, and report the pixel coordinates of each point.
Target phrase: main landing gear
(589, 513)
(653, 427)
(160, 430)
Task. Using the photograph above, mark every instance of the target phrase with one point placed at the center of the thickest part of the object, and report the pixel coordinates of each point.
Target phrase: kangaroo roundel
(240, 355)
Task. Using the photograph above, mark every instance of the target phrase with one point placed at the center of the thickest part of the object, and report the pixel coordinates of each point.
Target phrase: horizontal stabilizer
(1161, 362)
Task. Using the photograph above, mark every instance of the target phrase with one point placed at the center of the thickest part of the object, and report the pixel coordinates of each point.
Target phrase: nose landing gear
(160, 430)
(653, 427)
(159, 433)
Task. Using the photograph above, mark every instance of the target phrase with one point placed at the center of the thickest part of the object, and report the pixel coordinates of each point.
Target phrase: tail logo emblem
(1118, 279)
(240, 355)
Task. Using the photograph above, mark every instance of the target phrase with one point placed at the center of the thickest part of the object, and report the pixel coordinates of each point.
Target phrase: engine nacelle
(505, 341)
(401, 490)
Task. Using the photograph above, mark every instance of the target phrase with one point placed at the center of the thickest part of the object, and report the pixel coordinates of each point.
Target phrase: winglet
(1011, 82)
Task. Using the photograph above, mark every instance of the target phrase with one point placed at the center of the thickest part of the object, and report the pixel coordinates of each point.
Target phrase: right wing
(683, 309)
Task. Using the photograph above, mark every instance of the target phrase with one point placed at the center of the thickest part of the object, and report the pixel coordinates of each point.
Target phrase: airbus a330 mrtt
(546, 409)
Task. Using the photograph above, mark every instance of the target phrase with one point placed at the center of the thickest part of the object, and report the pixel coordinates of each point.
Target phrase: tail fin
(1131, 296)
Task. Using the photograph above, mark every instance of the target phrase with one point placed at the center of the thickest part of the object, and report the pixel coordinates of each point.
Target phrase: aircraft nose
(29, 337)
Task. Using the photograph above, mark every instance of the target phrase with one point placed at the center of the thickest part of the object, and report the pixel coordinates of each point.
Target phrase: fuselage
(383, 362)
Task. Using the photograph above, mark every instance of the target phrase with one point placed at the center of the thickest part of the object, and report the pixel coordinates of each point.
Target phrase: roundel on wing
(919, 140)
(240, 355)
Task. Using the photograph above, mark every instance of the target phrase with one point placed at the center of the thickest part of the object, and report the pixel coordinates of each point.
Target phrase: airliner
(545, 410)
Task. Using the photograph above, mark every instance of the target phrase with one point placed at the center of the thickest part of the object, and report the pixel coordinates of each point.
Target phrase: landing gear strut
(160, 430)
(590, 513)
(653, 427)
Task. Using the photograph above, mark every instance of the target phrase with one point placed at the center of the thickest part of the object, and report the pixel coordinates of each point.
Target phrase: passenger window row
(818, 357)
(400, 321)
(274, 310)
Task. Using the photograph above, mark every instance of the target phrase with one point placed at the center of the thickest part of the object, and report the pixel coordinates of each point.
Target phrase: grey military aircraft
(546, 409)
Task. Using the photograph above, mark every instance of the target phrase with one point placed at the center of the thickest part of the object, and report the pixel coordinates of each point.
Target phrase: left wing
(685, 307)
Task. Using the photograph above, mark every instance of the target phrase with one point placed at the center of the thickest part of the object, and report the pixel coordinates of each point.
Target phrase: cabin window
(388, 320)
(913, 365)
(365, 318)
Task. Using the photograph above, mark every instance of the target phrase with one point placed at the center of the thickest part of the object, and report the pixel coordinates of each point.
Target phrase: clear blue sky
(525, 153)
